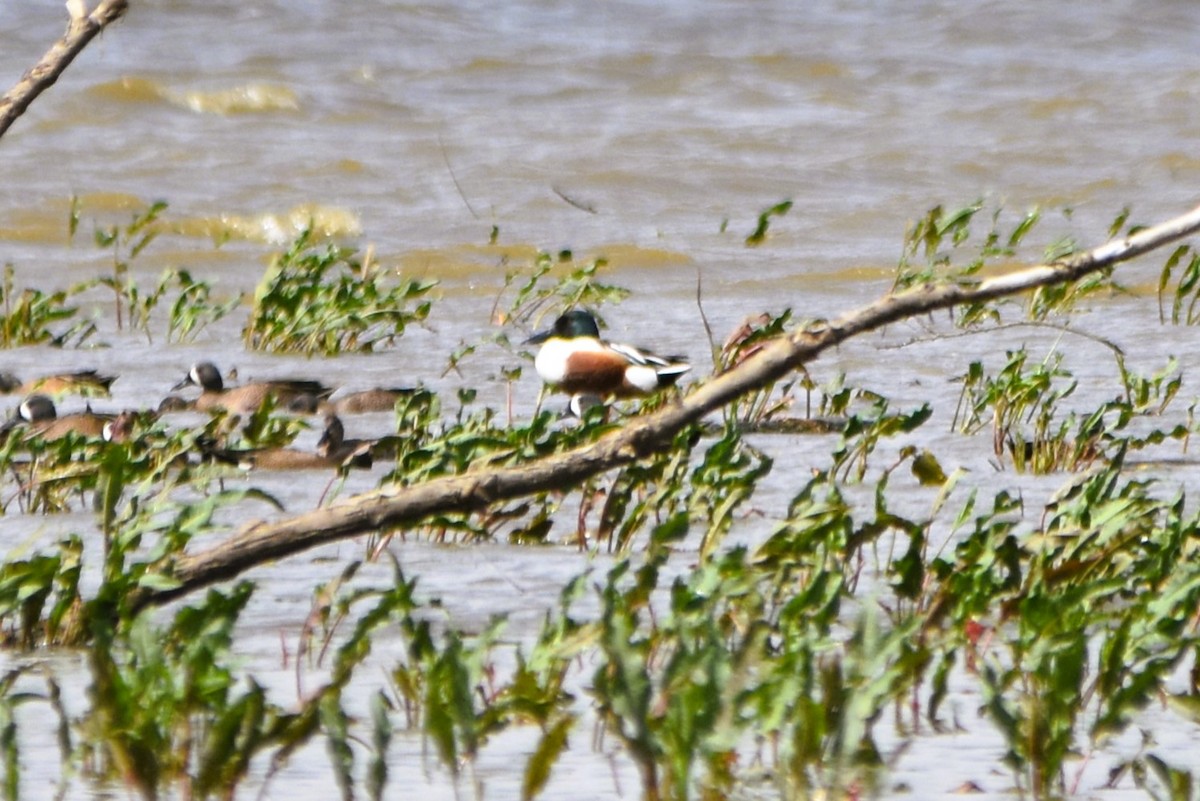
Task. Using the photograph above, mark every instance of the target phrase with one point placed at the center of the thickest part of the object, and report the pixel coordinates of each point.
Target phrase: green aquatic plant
(64, 474)
(646, 493)
(931, 252)
(552, 284)
(1161, 780)
(716, 670)
(30, 316)
(325, 300)
(193, 308)
(748, 649)
(694, 674)
(127, 242)
(762, 405)
(446, 683)
(923, 257)
(1184, 294)
(262, 428)
(166, 710)
(1103, 570)
(1024, 407)
(51, 477)
(725, 478)
(664, 684)
(1150, 395)
(39, 597)
(1060, 299)
(863, 433)
(759, 234)
(427, 446)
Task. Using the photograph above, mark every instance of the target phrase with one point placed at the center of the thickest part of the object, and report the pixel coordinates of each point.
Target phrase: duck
(573, 359)
(266, 458)
(334, 446)
(88, 383)
(40, 417)
(298, 396)
(332, 452)
(377, 399)
(120, 428)
(175, 403)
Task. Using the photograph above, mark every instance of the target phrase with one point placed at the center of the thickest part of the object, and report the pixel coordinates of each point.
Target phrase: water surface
(652, 133)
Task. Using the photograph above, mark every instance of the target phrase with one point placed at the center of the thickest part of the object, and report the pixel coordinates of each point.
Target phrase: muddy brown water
(416, 128)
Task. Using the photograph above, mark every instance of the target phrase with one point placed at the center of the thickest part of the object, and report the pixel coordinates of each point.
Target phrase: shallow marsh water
(417, 128)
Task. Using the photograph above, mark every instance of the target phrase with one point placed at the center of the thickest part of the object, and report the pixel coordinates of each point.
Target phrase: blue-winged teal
(575, 360)
(175, 403)
(334, 446)
(267, 458)
(88, 383)
(289, 395)
(120, 428)
(332, 452)
(363, 401)
(40, 418)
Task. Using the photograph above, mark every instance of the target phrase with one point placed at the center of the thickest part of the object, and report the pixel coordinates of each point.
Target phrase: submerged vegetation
(715, 650)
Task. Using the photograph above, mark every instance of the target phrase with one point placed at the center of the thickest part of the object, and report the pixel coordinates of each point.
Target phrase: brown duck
(378, 399)
(291, 395)
(80, 382)
(332, 452)
(40, 418)
(334, 446)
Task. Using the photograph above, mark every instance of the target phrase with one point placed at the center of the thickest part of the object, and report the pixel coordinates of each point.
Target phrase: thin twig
(570, 201)
(712, 342)
(454, 177)
(41, 76)
(1065, 329)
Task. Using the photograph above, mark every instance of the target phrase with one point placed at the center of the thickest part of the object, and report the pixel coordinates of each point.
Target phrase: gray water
(417, 128)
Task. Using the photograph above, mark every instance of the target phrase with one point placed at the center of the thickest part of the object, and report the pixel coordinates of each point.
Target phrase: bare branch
(83, 28)
(393, 508)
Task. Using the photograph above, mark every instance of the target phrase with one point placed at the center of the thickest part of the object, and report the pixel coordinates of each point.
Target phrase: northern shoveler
(289, 395)
(575, 360)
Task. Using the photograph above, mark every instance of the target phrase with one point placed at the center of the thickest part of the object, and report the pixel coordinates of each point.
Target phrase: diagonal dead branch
(399, 507)
(41, 76)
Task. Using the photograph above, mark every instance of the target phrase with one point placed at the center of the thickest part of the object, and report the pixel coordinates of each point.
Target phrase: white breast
(551, 361)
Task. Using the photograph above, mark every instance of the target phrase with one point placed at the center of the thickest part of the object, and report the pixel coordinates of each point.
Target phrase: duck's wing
(663, 365)
(300, 386)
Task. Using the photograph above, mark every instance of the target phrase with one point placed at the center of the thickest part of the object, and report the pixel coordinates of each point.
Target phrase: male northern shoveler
(290, 395)
(575, 360)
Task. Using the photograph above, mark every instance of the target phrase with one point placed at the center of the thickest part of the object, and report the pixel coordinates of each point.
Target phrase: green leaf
(928, 470)
(537, 769)
(759, 235)
(335, 724)
(158, 581)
